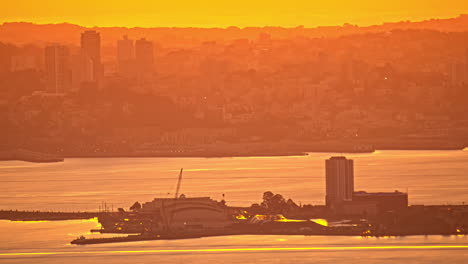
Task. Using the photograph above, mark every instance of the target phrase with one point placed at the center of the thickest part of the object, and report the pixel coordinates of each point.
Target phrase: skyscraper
(125, 49)
(466, 65)
(82, 72)
(125, 56)
(339, 181)
(144, 58)
(91, 49)
(58, 75)
(457, 73)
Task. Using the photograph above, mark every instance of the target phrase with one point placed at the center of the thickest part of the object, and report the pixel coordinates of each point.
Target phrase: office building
(466, 65)
(82, 72)
(457, 73)
(339, 181)
(126, 56)
(385, 201)
(144, 58)
(57, 69)
(24, 63)
(125, 49)
(341, 199)
(91, 49)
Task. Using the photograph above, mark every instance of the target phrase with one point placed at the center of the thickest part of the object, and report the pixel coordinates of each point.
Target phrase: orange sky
(222, 13)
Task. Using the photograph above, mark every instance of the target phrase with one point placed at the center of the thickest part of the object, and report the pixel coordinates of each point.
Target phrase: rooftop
(363, 193)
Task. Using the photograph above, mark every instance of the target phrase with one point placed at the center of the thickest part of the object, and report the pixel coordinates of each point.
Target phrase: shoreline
(29, 156)
(258, 154)
(237, 228)
(152, 237)
(60, 216)
(37, 157)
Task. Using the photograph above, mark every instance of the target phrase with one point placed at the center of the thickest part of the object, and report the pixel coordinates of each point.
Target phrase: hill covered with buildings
(75, 91)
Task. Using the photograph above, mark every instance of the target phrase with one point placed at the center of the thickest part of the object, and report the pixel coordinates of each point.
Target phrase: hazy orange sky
(220, 13)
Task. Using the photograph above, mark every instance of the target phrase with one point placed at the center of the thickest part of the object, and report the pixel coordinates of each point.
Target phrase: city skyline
(234, 132)
(327, 94)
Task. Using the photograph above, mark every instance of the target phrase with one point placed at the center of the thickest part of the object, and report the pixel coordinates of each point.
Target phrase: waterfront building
(341, 198)
(170, 214)
(188, 213)
(385, 201)
(367, 205)
(339, 181)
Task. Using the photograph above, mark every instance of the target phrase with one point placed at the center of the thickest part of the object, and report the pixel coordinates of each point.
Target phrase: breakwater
(14, 215)
(29, 156)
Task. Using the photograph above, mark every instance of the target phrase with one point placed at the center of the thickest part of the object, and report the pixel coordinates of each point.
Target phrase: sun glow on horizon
(211, 13)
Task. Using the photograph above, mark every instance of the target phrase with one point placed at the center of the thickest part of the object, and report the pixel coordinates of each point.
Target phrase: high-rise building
(144, 57)
(466, 65)
(125, 56)
(82, 72)
(23, 63)
(125, 50)
(457, 73)
(339, 181)
(57, 68)
(91, 49)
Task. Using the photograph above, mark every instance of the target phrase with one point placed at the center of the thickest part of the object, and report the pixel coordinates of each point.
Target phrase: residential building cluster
(375, 88)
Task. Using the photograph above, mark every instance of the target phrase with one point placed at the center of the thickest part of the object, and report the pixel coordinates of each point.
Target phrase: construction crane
(178, 183)
(167, 219)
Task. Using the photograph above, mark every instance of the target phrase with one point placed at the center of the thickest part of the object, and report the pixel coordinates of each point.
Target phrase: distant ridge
(25, 32)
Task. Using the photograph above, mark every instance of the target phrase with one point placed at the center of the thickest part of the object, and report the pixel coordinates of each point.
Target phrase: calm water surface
(432, 177)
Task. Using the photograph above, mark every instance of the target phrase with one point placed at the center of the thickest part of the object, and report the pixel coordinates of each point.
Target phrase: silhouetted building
(82, 72)
(189, 213)
(457, 73)
(342, 200)
(385, 201)
(23, 63)
(144, 58)
(126, 56)
(466, 64)
(366, 204)
(91, 49)
(125, 49)
(339, 181)
(57, 68)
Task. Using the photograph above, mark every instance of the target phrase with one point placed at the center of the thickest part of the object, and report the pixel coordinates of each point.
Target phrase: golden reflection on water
(91, 220)
(235, 250)
(236, 169)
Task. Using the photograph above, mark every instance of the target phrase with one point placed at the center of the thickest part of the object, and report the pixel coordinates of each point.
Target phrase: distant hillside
(22, 32)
